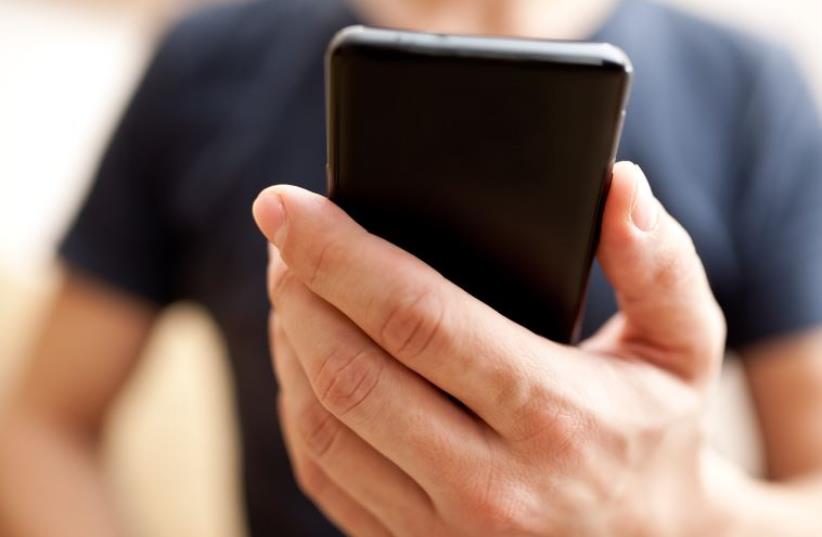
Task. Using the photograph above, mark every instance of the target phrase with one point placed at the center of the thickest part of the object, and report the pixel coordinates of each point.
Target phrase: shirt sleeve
(122, 233)
(779, 208)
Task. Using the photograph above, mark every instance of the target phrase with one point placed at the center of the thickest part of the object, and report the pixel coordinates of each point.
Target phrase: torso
(264, 123)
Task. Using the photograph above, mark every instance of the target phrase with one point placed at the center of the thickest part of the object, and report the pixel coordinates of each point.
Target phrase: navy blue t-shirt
(721, 123)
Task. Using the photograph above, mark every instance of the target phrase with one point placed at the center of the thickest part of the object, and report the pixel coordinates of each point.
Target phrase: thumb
(668, 314)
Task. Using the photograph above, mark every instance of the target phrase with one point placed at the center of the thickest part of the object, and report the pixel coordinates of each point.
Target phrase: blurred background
(67, 68)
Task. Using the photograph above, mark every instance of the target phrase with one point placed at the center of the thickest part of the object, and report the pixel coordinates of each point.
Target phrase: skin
(508, 433)
(52, 483)
(559, 19)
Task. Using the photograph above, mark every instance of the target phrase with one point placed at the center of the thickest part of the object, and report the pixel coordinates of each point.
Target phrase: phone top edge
(482, 47)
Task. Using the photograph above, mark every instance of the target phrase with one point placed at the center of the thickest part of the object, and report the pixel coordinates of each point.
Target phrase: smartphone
(487, 158)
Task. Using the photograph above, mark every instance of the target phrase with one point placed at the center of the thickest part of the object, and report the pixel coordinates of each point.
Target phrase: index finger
(426, 322)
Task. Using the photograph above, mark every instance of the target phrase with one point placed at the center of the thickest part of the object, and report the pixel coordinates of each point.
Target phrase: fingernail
(271, 213)
(644, 212)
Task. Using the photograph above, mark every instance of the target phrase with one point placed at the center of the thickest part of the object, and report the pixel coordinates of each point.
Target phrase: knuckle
(310, 478)
(491, 516)
(413, 325)
(703, 341)
(527, 420)
(671, 272)
(496, 508)
(346, 380)
(320, 257)
(514, 386)
(318, 430)
(279, 287)
(629, 444)
(275, 270)
(677, 262)
(552, 427)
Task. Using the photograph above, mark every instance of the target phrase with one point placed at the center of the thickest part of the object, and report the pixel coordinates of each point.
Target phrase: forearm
(51, 484)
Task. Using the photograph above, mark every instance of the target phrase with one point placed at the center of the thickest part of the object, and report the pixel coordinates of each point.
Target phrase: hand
(412, 409)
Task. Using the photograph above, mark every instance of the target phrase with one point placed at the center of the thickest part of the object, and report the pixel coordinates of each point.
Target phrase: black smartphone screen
(489, 165)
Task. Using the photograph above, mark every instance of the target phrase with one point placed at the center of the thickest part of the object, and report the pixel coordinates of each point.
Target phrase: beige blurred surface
(171, 444)
(66, 68)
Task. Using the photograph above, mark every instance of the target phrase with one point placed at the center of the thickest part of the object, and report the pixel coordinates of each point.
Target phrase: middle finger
(352, 465)
(392, 408)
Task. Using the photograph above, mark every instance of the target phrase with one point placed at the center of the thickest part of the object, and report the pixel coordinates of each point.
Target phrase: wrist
(728, 491)
(744, 506)
(684, 502)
